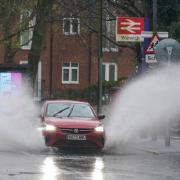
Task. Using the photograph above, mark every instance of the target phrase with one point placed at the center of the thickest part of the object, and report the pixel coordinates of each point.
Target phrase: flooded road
(105, 166)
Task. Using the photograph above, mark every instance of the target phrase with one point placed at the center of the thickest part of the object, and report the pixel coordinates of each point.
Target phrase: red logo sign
(130, 25)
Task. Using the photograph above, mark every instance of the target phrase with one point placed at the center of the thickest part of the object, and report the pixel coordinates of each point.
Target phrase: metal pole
(99, 104)
(167, 133)
(154, 15)
(154, 133)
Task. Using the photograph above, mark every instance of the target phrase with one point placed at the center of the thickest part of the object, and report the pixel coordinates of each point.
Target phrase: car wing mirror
(41, 117)
(101, 116)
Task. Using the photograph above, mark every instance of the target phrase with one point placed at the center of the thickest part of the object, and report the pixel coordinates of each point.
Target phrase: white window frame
(31, 29)
(70, 32)
(107, 71)
(109, 29)
(70, 68)
(23, 62)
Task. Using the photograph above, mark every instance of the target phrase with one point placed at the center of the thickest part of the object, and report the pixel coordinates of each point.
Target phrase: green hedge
(90, 93)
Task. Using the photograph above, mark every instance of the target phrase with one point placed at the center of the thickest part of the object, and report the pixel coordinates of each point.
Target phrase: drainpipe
(51, 60)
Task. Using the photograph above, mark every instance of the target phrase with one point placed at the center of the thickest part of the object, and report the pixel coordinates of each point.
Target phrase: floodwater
(144, 104)
(76, 166)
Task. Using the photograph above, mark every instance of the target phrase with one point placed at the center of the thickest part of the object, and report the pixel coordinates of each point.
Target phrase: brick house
(69, 57)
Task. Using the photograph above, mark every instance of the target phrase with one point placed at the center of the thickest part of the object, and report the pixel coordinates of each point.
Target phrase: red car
(71, 124)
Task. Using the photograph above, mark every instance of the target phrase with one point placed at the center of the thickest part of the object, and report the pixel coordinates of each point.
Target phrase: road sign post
(155, 38)
(167, 51)
(149, 51)
(129, 29)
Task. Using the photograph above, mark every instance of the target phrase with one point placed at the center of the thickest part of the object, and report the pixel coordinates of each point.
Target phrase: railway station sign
(129, 28)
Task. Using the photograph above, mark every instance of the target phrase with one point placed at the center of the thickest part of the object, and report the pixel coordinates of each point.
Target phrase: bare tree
(43, 12)
(10, 26)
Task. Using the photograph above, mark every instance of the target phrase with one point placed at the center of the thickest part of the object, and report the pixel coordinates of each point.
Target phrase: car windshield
(69, 110)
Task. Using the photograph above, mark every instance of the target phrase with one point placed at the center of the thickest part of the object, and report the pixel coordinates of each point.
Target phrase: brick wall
(81, 48)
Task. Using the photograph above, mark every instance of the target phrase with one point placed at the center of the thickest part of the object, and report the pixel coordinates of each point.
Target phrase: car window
(69, 110)
(54, 109)
(81, 110)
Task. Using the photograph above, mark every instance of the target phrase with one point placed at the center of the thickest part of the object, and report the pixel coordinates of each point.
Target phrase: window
(70, 72)
(109, 72)
(71, 26)
(27, 30)
(60, 109)
(23, 62)
(110, 31)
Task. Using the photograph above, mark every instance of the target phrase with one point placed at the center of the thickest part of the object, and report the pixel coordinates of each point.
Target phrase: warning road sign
(152, 44)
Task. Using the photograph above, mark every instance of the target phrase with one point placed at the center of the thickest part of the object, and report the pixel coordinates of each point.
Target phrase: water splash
(18, 123)
(145, 105)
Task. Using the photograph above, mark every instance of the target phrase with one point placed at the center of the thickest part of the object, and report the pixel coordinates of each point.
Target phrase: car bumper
(58, 139)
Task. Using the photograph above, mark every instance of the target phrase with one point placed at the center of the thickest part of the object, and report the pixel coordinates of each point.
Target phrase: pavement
(158, 146)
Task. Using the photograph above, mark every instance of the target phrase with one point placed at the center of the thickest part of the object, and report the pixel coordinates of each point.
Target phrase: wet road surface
(48, 165)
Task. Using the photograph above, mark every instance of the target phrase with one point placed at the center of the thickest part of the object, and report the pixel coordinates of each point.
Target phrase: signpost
(149, 51)
(150, 58)
(155, 38)
(129, 28)
(159, 48)
(168, 50)
(152, 44)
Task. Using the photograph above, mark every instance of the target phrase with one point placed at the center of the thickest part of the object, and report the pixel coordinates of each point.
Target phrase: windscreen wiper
(70, 111)
(60, 111)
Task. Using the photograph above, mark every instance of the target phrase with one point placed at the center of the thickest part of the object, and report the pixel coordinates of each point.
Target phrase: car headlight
(49, 127)
(99, 129)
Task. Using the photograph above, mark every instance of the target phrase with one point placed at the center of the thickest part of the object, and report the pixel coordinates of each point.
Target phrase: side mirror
(41, 117)
(101, 116)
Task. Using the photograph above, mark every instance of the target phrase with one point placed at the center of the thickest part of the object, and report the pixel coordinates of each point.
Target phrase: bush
(90, 93)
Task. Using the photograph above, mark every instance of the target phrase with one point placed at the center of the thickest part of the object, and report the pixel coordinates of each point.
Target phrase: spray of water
(19, 122)
(145, 105)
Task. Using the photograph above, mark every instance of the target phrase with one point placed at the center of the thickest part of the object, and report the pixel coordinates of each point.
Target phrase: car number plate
(76, 137)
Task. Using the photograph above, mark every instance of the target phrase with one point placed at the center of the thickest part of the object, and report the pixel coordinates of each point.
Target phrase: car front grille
(76, 130)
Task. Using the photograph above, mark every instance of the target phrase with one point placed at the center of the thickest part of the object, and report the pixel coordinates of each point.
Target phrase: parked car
(67, 123)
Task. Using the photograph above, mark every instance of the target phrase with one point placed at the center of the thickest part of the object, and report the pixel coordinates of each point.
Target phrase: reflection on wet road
(105, 167)
(73, 167)
(59, 166)
(49, 169)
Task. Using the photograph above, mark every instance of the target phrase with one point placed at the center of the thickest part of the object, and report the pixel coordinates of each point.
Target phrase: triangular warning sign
(152, 44)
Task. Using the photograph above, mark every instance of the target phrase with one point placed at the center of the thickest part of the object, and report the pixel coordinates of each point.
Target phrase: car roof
(66, 101)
